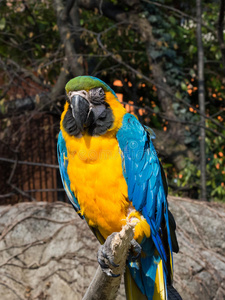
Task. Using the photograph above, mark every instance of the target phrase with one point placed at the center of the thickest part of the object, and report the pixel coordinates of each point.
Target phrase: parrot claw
(136, 249)
(111, 274)
(110, 260)
(102, 264)
(105, 257)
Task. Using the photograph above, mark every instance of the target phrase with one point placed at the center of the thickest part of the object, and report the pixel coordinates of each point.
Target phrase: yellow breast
(96, 175)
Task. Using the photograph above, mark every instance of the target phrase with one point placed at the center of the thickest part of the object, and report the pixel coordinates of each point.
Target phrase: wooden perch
(104, 287)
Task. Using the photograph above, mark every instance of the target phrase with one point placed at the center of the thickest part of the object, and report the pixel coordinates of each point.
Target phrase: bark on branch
(71, 63)
(201, 99)
(220, 29)
(102, 286)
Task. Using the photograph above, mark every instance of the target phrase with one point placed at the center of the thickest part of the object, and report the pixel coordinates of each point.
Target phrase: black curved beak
(80, 110)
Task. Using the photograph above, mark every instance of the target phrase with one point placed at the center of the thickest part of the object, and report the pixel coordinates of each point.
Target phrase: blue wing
(63, 163)
(145, 189)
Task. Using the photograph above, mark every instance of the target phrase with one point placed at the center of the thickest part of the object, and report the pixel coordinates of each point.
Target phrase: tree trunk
(220, 30)
(201, 99)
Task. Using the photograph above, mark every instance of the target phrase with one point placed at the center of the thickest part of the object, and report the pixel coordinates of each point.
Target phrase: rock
(48, 252)
(199, 267)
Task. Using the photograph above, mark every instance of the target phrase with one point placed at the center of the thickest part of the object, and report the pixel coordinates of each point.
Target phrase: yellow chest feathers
(96, 175)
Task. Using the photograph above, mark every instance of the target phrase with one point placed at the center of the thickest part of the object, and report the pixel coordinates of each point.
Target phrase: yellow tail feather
(160, 289)
(132, 290)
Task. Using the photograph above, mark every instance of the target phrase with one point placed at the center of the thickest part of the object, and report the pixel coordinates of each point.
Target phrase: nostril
(84, 94)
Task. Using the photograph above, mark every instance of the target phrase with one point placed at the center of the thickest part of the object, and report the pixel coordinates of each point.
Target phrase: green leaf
(38, 47)
(153, 19)
(30, 19)
(183, 86)
(192, 72)
(213, 48)
(172, 20)
(189, 139)
(192, 49)
(156, 109)
(170, 53)
(183, 110)
(172, 33)
(218, 55)
(155, 54)
(175, 106)
(2, 23)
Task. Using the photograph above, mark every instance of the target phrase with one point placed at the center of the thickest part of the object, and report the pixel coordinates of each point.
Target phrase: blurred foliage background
(145, 50)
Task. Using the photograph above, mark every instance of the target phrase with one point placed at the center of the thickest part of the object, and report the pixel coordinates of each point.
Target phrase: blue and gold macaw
(111, 174)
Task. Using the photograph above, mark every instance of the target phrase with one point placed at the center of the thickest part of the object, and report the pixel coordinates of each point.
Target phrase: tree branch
(71, 62)
(28, 163)
(201, 99)
(104, 287)
(108, 9)
(66, 37)
(62, 79)
(19, 69)
(220, 29)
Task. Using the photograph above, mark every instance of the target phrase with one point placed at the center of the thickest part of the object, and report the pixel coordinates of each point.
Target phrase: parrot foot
(135, 250)
(105, 257)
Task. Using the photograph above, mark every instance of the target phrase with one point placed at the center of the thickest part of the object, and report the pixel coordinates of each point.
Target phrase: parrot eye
(97, 96)
(101, 92)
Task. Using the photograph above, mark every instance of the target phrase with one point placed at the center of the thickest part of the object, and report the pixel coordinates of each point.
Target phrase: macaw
(111, 174)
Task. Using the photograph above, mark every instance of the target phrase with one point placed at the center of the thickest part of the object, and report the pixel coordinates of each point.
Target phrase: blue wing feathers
(63, 163)
(150, 205)
(139, 195)
(145, 190)
(159, 208)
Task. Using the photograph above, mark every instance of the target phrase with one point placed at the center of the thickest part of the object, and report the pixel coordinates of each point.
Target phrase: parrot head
(92, 107)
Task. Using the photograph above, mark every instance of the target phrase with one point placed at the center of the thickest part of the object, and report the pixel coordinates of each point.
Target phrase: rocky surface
(200, 264)
(48, 252)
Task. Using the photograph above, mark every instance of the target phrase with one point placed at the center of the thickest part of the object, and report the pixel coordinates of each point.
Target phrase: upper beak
(80, 110)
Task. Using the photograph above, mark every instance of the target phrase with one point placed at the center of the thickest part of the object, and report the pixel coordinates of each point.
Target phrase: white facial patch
(82, 93)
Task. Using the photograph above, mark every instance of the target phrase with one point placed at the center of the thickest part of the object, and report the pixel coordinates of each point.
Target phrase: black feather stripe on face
(69, 124)
(99, 127)
(102, 123)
